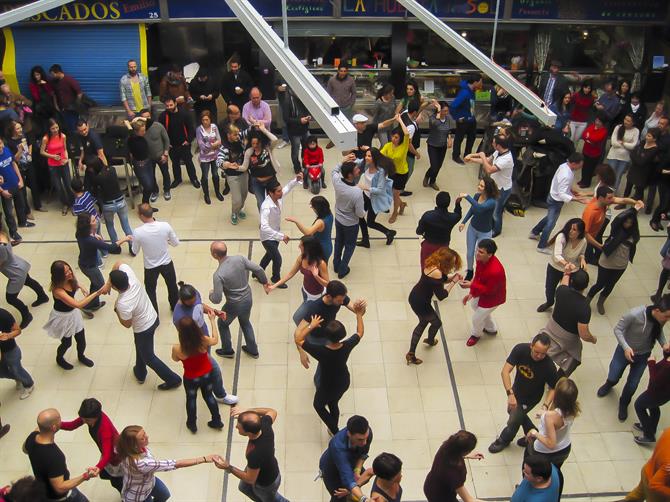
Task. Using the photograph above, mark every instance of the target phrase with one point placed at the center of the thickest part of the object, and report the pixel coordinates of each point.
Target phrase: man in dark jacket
(236, 84)
(435, 226)
(553, 85)
(461, 111)
(180, 130)
(297, 122)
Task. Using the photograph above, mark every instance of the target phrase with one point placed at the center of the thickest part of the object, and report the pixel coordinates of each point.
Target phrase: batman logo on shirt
(526, 371)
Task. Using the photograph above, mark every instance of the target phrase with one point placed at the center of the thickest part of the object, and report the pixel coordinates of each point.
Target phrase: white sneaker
(282, 144)
(230, 399)
(26, 391)
(535, 237)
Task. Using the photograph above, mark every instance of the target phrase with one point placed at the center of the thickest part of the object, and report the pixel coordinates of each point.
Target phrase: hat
(442, 200)
(359, 117)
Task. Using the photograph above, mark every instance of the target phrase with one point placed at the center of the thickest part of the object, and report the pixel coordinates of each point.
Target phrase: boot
(600, 306)
(217, 191)
(205, 191)
(60, 361)
(605, 388)
(226, 187)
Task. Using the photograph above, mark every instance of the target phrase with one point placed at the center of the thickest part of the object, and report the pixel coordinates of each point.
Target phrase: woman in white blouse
(625, 137)
(569, 248)
(139, 467)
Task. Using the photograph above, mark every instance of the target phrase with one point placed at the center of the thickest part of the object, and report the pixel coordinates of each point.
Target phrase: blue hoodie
(460, 106)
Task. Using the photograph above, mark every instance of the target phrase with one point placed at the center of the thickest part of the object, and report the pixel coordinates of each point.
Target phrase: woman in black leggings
(377, 194)
(618, 251)
(332, 357)
(435, 280)
(665, 271)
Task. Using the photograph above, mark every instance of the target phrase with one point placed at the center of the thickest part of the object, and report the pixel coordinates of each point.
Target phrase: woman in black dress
(435, 280)
(334, 379)
(642, 173)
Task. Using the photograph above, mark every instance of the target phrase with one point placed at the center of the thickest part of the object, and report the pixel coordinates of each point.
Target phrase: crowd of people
(367, 183)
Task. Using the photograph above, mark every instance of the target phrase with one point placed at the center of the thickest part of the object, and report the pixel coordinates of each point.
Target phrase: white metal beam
(29, 10)
(498, 74)
(315, 98)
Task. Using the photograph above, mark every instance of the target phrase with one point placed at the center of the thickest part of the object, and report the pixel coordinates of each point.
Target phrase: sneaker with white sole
(545, 250)
(167, 195)
(153, 197)
(533, 236)
(26, 391)
(228, 399)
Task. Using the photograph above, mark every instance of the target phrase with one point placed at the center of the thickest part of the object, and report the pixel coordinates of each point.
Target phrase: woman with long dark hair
(260, 162)
(377, 194)
(625, 137)
(230, 160)
(322, 226)
(618, 251)
(44, 98)
(563, 110)
(594, 136)
(90, 244)
(448, 473)
(140, 467)
(209, 141)
(582, 106)
(193, 352)
(437, 278)
(65, 320)
(312, 265)
(569, 251)
(54, 148)
(385, 108)
(396, 150)
(412, 94)
(482, 206)
(642, 172)
(440, 138)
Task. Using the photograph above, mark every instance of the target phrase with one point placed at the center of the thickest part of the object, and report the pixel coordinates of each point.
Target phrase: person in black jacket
(180, 130)
(552, 84)
(297, 122)
(635, 109)
(435, 225)
(204, 93)
(236, 84)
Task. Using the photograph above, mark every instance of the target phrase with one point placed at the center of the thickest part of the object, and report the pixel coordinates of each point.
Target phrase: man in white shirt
(561, 192)
(153, 238)
(271, 236)
(499, 167)
(134, 309)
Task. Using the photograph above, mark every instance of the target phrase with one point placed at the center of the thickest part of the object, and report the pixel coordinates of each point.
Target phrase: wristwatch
(509, 392)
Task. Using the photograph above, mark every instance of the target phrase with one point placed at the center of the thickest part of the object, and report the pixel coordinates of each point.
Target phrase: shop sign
(440, 8)
(592, 10)
(96, 10)
(196, 9)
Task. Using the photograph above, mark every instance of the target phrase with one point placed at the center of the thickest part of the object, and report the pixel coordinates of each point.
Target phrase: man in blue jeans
(636, 332)
(349, 207)
(10, 355)
(134, 309)
(561, 192)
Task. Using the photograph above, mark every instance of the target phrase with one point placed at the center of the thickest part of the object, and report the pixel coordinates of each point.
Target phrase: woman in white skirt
(65, 320)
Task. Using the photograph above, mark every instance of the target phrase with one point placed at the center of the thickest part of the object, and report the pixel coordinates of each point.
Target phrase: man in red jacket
(104, 434)
(487, 290)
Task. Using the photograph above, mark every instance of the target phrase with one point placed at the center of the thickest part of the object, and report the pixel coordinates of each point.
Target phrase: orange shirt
(594, 217)
(659, 479)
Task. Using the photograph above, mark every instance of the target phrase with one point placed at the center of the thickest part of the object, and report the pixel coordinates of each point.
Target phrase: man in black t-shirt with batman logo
(534, 370)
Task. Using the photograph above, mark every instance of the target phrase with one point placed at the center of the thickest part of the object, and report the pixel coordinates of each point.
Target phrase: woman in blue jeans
(10, 363)
(139, 467)
(109, 194)
(483, 204)
(260, 162)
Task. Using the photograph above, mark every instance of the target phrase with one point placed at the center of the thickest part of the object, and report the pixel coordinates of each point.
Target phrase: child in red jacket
(312, 156)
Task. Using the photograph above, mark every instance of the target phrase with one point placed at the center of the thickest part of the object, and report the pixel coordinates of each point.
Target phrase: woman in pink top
(54, 148)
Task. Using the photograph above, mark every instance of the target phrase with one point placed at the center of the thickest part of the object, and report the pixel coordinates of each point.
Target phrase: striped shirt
(85, 204)
(139, 480)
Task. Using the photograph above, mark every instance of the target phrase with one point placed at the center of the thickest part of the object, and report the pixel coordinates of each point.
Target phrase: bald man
(256, 110)
(232, 280)
(48, 461)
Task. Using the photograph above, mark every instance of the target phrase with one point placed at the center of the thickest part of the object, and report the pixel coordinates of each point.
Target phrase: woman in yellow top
(396, 150)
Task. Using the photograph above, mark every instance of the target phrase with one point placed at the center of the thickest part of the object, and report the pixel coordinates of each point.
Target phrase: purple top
(262, 113)
(205, 140)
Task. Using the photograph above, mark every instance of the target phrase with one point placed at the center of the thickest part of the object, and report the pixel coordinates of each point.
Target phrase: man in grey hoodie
(636, 333)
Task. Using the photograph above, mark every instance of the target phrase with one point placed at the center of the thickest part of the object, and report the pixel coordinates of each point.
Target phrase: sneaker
(534, 236)
(242, 215)
(233, 219)
(472, 341)
(255, 355)
(168, 386)
(644, 440)
(227, 355)
(544, 250)
(604, 389)
(153, 197)
(167, 195)
(434, 187)
(26, 391)
(638, 427)
(228, 399)
(544, 307)
(215, 424)
(497, 446)
(282, 144)
(522, 442)
(4, 430)
(192, 427)
(491, 333)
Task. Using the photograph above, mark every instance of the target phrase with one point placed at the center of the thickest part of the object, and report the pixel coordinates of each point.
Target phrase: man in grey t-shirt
(232, 280)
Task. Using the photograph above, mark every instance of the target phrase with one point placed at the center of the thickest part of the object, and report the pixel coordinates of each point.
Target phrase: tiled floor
(411, 409)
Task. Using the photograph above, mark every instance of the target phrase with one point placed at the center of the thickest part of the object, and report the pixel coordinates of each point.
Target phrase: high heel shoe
(402, 208)
(412, 359)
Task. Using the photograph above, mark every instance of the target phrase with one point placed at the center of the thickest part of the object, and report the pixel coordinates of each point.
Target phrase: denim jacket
(381, 192)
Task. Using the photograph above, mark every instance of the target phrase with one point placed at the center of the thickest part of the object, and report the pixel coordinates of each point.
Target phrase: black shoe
(494, 235)
(215, 424)
(27, 224)
(458, 160)
(638, 427)
(323, 184)
(27, 319)
(175, 184)
(85, 361)
(195, 183)
(227, 355)
(522, 442)
(208, 201)
(219, 196)
(343, 274)
(544, 307)
(644, 440)
(363, 244)
(168, 386)
(98, 306)
(192, 427)
(40, 300)
(139, 380)
(390, 236)
(604, 389)
(623, 413)
(16, 237)
(405, 193)
(255, 355)
(4, 430)
(282, 286)
(497, 446)
(63, 363)
(226, 190)
(468, 275)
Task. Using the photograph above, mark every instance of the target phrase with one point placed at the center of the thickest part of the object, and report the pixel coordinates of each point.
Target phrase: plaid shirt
(138, 481)
(125, 88)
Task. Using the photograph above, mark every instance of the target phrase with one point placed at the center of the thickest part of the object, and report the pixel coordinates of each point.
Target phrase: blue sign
(196, 9)
(96, 10)
(440, 8)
